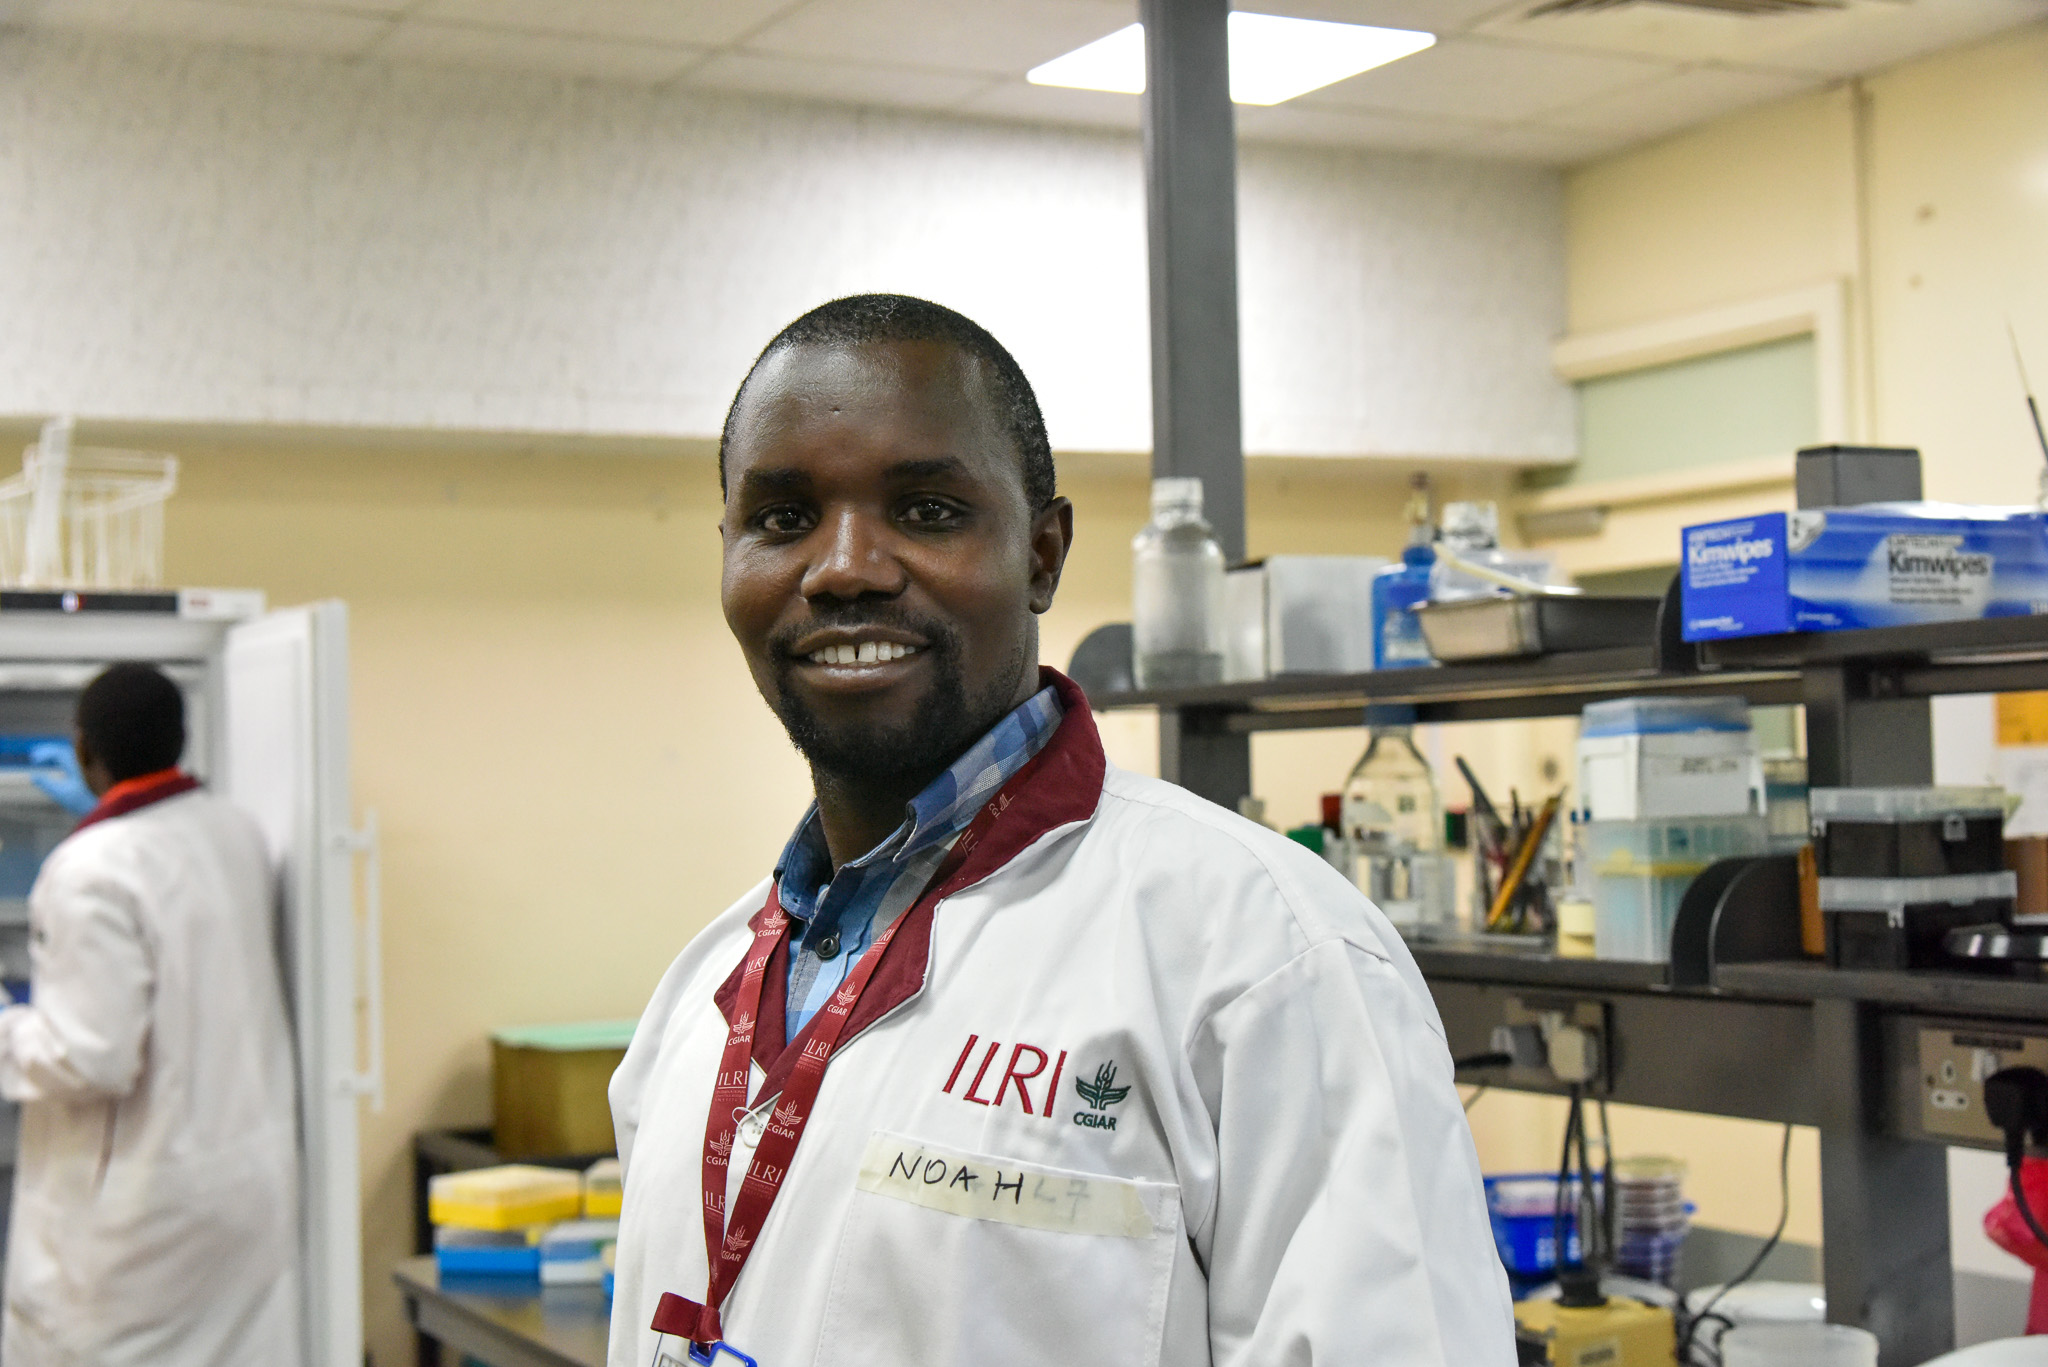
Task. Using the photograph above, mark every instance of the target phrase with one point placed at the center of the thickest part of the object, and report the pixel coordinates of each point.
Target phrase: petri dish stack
(1651, 1217)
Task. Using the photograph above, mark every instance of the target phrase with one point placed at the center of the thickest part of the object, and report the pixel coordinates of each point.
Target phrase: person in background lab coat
(156, 1197)
(1018, 1058)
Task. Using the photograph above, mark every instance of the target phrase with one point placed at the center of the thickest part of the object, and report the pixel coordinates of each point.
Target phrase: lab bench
(506, 1322)
(1772, 1041)
(526, 1323)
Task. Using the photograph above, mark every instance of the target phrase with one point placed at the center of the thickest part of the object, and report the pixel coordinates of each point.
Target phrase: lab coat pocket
(957, 1259)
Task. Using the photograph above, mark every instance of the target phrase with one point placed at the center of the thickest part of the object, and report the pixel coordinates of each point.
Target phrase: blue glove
(53, 767)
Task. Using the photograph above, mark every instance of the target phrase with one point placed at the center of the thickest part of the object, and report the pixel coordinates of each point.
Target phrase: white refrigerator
(267, 717)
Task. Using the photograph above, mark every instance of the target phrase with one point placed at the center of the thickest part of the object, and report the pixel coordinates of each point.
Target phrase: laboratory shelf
(1993, 655)
(1544, 686)
(1789, 1042)
(1531, 964)
(1963, 994)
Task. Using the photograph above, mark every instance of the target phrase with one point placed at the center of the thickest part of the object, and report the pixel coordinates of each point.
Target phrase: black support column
(1191, 215)
(1883, 1199)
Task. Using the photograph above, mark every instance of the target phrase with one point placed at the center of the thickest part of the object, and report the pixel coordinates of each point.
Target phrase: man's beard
(944, 724)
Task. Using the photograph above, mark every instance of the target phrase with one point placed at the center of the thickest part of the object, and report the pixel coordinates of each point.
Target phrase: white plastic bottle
(1395, 820)
(1177, 592)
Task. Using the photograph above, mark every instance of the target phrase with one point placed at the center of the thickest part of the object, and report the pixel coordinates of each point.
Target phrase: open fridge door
(285, 760)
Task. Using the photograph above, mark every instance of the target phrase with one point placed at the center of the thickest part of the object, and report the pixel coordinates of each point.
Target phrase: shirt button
(828, 947)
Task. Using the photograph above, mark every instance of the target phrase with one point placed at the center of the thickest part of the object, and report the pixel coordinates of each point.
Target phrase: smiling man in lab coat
(156, 1199)
(1018, 1058)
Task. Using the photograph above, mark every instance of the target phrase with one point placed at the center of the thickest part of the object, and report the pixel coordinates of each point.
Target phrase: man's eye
(930, 512)
(782, 521)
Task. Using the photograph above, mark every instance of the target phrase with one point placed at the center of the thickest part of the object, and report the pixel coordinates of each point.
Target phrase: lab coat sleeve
(1349, 1224)
(83, 1034)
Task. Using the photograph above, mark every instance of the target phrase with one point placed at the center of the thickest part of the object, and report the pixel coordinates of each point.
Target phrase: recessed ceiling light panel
(1272, 59)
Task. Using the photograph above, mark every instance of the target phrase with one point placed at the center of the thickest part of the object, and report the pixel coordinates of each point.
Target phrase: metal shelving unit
(1777, 1041)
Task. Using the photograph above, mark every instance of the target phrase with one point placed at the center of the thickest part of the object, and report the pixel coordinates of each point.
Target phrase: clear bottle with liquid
(1401, 588)
(1395, 820)
(1177, 623)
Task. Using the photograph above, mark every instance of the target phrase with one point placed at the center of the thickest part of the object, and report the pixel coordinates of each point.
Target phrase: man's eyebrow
(759, 483)
(931, 467)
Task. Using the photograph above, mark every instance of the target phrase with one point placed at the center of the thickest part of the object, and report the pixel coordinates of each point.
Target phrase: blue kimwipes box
(1876, 565)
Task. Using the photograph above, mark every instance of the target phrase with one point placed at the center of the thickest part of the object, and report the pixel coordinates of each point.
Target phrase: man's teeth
(866, 653)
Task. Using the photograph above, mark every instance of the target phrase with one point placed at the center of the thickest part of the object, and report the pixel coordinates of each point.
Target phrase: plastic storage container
(514, 1196)
(1178, 618)
(1907, 832)
(461, 1252)
(548, 1088)
(1641, 869)
(1894, 923)
(1643, 758)
(1798, 1345)
(572, 1253)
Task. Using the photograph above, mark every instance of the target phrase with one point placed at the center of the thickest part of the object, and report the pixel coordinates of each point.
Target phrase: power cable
(1784, 1214)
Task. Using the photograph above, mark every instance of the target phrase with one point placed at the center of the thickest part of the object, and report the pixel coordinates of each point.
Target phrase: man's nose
(853, 560)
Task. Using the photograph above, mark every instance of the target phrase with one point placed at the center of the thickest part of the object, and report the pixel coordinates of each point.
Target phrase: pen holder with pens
(1518, 863)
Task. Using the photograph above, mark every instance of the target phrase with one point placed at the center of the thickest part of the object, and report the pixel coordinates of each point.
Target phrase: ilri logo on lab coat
(1100, 1094)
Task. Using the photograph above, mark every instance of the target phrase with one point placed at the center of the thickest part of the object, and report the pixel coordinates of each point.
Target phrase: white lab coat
(1285, 1179)
(155, 1208)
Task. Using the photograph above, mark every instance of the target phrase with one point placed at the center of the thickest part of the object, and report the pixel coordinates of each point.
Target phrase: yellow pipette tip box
(508, 1197)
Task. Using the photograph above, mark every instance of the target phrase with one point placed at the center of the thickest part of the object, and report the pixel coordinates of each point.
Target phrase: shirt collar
(944, 807)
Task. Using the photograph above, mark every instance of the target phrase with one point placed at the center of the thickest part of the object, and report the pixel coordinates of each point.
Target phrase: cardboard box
(1883, 565)
(548, 1087)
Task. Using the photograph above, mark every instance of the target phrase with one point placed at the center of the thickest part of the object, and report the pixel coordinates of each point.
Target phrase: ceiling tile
(416, 40)
(1679, 101)
(205, 21)
(1055, 104)
(998, 37)
(1487, 82)
(1296, 123)
(1544, 146)
(839, 82)
(708, 23)
(1864, 35)
(1432, 16)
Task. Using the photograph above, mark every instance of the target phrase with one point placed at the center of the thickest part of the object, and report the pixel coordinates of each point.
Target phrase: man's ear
(1052, 536)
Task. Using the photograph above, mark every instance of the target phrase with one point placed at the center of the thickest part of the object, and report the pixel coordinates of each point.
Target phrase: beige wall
(1926, 190)
(571, 765)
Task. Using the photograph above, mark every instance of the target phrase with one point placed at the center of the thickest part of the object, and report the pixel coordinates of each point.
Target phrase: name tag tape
(981, 1187)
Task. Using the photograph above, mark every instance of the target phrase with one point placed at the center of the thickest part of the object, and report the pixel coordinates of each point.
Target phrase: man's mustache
(854, 616)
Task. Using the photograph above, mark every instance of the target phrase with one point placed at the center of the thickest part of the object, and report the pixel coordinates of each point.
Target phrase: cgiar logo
(1101, 1094)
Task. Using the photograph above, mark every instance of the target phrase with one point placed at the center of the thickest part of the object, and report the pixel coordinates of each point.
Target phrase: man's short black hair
(863, 318)
(132, 718)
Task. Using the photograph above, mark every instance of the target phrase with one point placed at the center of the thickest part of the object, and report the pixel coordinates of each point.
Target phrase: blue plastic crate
(1523, 1209)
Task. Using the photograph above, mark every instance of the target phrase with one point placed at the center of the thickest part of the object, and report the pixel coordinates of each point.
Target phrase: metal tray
(1497, 628)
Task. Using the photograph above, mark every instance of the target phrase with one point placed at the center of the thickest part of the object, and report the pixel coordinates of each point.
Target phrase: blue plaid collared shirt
(839, 915)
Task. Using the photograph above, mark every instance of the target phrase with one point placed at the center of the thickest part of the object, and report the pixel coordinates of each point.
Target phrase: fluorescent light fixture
(1272, 59)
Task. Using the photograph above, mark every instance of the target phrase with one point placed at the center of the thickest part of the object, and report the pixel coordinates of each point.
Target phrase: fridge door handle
(369, 1080)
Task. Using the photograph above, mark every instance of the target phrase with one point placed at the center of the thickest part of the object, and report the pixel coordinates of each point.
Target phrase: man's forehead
(918, 393)
(921, 373)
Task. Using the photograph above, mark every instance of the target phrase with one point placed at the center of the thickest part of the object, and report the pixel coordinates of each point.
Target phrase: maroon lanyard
(727, 1245)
